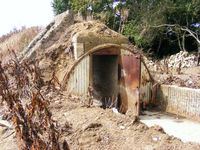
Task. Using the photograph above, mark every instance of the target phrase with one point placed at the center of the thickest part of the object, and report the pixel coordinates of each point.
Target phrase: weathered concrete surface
(49, 35)
(179, 100)
(99, 36)
(60, 47)
(186, 130)
(65, 39)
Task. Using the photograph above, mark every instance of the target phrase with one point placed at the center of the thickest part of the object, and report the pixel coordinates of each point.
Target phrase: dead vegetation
(20, 90)
(103, 129)
(45, 117)
(16, 40)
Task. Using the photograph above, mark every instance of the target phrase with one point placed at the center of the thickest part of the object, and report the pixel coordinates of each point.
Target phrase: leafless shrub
(110, 102)
(17, 40)
(53, 82)
(20, 89)
(166, 65)
(179, 68)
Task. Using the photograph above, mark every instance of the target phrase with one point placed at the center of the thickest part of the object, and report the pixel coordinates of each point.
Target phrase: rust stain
(108, 51)
(131, 70)
(130, 82)
(145, 85)
(144, 80)
(143, 95)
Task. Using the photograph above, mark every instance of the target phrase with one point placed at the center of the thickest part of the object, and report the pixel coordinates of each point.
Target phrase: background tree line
(161, 27)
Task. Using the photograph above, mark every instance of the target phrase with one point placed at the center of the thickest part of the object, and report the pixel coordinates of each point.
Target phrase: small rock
(93, 126)
(108, 32)
(97, 103)
(58, 102)
(65, 114)
(122, 138)
(106, 137)
(190, 82)
(57, 88)
(4, 123)
(156, 138)
(115, 110)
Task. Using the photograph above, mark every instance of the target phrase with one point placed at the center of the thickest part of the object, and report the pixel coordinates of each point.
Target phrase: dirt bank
(95, 128)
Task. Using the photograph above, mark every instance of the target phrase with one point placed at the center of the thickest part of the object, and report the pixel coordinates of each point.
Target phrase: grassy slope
(16, 40)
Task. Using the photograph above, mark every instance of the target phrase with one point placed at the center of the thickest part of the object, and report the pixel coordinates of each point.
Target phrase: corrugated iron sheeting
(79, 80)
(145, 85)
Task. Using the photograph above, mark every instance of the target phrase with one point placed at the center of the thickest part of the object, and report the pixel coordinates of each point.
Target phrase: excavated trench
(173, 125)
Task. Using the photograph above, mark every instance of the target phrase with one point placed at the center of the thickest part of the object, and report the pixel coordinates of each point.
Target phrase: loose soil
(174, 125)
(94, 128)
(188, 77)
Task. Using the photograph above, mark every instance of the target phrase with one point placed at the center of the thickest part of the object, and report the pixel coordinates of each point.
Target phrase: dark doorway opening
(105, 78)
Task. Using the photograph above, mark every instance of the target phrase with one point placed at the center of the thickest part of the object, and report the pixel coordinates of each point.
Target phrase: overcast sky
(18, 13)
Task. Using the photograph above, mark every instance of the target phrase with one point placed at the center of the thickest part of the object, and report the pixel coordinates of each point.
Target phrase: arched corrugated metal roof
(94, 50)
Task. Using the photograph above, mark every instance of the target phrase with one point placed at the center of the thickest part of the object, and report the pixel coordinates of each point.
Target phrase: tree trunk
(183, 42)
(120, 23)
(114, 22)
(122, 28)
(179, 43)
(158, 49)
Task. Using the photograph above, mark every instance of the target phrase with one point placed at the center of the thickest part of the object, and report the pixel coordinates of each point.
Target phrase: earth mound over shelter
(87, 53)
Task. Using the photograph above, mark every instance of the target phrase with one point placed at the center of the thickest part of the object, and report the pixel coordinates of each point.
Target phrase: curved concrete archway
(92, 51)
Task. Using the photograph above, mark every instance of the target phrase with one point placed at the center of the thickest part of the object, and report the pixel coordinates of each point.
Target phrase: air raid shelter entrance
(105, 78)
(115, 79)
(118, 77)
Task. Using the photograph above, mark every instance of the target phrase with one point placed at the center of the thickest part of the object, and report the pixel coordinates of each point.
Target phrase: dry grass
(16, 40)
(20, 91)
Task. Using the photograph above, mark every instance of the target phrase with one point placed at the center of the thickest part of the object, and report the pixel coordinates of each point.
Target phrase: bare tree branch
(165, 25)
(191, 33)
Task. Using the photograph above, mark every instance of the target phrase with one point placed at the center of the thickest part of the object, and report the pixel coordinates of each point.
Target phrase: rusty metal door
(129, 82)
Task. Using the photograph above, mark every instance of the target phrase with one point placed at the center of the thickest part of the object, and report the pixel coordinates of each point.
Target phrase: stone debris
(182, 59)
(5, 123)
(115, 110)
(187, 60)
(122, 127)
(155, 139)
(150, 64)
(173, 70)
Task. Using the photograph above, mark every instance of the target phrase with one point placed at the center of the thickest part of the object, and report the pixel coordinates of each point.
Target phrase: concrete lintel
(78, 50)
(125, 52)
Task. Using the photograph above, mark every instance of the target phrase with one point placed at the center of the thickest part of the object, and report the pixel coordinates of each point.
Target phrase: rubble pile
(179, 69)
(177, 80)
(150, 64)
(182, 59)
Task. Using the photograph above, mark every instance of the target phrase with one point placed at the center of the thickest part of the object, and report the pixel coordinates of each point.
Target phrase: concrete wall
(92, 39)
(48, 36)
(179, 100)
